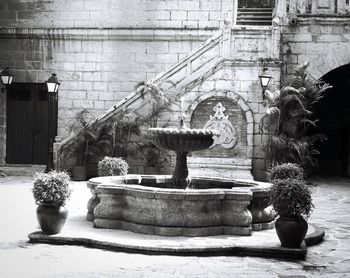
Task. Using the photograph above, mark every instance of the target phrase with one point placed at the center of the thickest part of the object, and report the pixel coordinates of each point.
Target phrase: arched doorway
(333, 112)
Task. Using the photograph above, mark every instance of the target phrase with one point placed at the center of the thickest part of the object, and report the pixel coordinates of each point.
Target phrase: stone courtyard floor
(19, 258)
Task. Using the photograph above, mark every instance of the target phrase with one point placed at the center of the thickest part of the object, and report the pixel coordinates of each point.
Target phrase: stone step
(254, 16)
(254, 22)
(249, 17)
(20, 169)
(255, 10)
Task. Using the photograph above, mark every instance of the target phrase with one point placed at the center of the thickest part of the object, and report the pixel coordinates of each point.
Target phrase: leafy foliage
(152, 155)
(286, 171)
(51, 188)
(112, 166)
(80, 126)
(291, 197)
(120, 135)
(289, 117)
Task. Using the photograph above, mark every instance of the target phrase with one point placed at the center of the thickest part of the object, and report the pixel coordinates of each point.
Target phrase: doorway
(31, 122)
(333, 112)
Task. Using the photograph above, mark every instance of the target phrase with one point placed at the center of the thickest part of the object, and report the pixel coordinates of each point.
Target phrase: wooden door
(31, 121)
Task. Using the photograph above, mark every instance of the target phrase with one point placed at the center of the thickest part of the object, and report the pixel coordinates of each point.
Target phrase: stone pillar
(2, 125)
(234, 13)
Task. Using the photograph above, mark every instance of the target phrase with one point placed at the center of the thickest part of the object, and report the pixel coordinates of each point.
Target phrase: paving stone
(330, 259)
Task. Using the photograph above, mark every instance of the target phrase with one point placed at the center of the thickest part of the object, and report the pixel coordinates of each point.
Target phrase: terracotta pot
(51, 218)
(291, 231)
(79, 173)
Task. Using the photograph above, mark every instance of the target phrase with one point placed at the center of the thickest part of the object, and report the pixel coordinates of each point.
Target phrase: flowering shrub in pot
(285, 171)
(51, 191)
(112, 166)
(291, 199)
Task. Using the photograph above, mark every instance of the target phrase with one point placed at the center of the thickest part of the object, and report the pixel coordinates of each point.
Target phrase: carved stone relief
(220, 122)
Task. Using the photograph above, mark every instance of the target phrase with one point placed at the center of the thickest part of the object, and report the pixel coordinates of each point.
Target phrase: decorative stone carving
(228, 135)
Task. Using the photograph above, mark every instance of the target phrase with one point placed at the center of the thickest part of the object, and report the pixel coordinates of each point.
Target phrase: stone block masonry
(93, 74)
(100, 49)
(114, 13)
(325, 46)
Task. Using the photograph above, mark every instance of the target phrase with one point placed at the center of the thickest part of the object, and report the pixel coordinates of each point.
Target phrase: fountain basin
(146, 204)
(182, 139)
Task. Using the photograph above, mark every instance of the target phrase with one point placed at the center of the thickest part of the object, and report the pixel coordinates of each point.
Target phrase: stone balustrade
(315, 7)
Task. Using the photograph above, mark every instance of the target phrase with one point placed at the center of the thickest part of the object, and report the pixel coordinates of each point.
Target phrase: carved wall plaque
(229, 119)
(220, 122)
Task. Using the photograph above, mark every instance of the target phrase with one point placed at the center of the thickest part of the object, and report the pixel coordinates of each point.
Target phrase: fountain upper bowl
(183, 139)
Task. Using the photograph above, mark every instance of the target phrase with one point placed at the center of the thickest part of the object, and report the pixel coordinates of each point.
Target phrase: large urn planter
(51, 218)
(79, 173)
(291, 231)
(291, 199)
(51, 191)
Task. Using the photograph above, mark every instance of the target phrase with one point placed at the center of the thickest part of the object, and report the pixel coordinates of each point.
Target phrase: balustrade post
(226, 41)
(314, 6)
(342, 7)
(302, 6)
(293, 6)
(280, 11)
(234, 13)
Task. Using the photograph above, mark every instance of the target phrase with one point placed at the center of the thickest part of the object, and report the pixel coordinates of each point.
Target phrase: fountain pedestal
(180, 178)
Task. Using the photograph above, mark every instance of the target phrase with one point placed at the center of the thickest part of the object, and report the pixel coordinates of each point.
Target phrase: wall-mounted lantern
(265, 78)
(6, 77)
(52, 84)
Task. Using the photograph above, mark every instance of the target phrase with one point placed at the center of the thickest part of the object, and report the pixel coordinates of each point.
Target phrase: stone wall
(93, 74)
(171, 14)
(237, 83)
(322, 41)
(101, 49)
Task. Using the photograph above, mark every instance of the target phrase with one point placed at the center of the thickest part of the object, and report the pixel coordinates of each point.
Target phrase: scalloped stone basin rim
(182, 140)
(146, 204)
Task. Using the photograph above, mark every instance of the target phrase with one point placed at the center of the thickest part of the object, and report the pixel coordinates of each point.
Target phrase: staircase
(225, 49)
(254, 16)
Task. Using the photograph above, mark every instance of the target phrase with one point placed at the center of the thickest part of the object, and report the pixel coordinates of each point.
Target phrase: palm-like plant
(80, 127)
(289, 117)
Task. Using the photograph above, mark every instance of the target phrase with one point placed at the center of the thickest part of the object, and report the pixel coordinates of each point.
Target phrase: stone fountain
(180, 205)
(182, 140)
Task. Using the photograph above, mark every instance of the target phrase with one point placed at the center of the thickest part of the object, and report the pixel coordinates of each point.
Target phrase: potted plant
(85, 137)
(285, 171)
(291, 199)
(51, 191)
(154, 158)
(112, 166)
(289, 120)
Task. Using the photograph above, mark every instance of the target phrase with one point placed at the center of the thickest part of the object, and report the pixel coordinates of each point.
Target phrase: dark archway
(333, 112)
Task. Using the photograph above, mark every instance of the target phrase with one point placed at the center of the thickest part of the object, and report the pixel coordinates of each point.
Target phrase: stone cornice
(308, 19)
(106, 34)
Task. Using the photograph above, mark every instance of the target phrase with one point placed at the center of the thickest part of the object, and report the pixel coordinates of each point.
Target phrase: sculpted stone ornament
(220, 122)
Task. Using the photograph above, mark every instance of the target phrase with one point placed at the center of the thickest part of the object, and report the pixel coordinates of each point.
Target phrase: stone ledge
(78, 231)
(172, 231)
(107, 33)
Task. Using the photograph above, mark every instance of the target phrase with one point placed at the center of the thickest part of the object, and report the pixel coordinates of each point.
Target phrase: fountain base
(146, 204)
